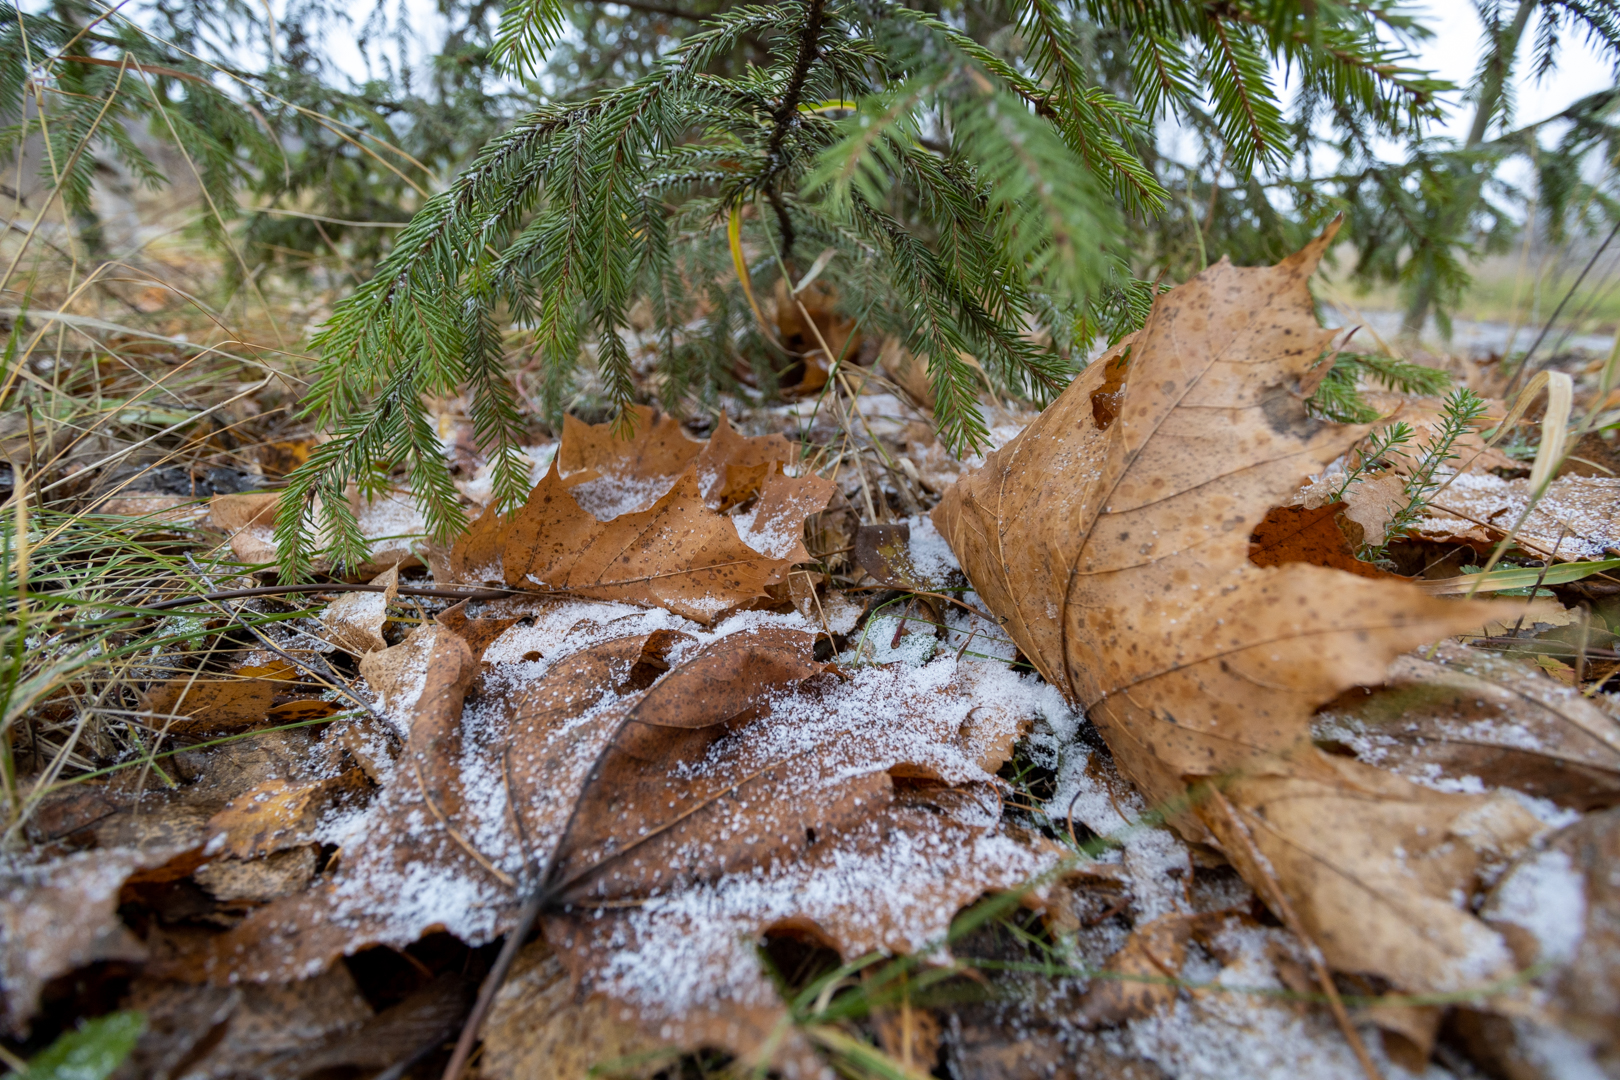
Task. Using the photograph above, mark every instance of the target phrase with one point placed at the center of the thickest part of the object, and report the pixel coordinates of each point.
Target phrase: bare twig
(283, 590)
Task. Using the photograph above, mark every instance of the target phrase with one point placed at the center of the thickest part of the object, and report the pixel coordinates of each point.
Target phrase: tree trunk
(1456, 216)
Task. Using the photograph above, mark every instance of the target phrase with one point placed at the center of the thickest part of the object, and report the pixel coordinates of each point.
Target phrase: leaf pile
(687, 790)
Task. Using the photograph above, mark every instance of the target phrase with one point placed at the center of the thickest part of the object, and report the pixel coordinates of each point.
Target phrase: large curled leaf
(1112, 538)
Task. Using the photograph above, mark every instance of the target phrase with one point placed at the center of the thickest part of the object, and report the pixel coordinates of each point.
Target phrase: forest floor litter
(817, 750)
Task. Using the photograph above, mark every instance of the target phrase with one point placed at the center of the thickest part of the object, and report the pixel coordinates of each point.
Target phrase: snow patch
(1545, 895)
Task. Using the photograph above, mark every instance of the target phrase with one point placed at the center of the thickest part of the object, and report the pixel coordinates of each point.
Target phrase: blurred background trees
(1001, 186)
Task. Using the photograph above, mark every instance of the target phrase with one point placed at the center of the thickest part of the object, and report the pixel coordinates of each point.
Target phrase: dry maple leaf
(197, 706)
(610, 475)
(733, 467)
(278, 814)
(1112, 539)
(680, 552)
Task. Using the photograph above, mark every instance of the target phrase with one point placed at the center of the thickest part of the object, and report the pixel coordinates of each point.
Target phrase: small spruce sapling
(1460, 415)
(1380, 446)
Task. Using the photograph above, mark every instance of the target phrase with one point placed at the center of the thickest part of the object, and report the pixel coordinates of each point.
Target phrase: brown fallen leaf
(226, 1033)
(632, 833)
(417, 866)
(1594, 455)
(395, 673)
(1372, 503)
(803, 340)
(301, 711)
(1578, 517)
(1112, 539)
(657, 446)
(280, 873)
(910, 375)
(1426, 415)
(651, 771)
(203, 705)
(540, 1030)
(277, 459)
(884, 551)
(278, 814)
(645, 519)
(609, 475)
(1376, 866)
(248, 521)
(414, 1027)
(732, 468)
(774, 524)
(224, 773)
(1473, 720)
(678, 555)
(354, 621)
(688, 795)
(1290, 534)
(60, 916)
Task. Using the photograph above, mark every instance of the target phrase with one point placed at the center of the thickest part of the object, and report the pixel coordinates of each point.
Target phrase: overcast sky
(1452, 54)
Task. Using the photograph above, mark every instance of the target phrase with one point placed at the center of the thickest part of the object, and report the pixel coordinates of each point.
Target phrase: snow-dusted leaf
(732, 467)
(691, 789)
(668, 545)
(355, 621)
(1466, 720)
(1577, 518)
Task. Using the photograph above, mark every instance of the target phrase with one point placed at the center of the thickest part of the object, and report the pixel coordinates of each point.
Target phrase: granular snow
(931, 556)
(696, 948)
(1544, 894)
(611, 495)
(947, 717)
